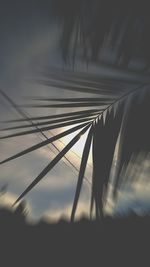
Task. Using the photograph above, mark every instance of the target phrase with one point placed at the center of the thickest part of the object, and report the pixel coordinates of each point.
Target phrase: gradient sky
(29, 42)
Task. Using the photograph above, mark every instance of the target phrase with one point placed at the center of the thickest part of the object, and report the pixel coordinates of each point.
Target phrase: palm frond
(88, 79)
(115, 34)
(135, 131)
(121, 121)
(37, 130)
(104, 142)
(49, 122)
(44, 143)
(70, 105)
(53, 162)
(62, 115)
(78, 100)
(102, 88)
(121, 28)
(82, 171)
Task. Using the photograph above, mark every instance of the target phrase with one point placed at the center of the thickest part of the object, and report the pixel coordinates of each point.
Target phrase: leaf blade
(82, 171)
(52, 164)
(43, 143)
(45, 128)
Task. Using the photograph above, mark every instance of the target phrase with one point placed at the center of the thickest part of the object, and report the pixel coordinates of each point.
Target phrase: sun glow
(77, 149)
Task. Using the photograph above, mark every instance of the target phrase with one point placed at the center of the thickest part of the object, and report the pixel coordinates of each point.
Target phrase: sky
(29, 42)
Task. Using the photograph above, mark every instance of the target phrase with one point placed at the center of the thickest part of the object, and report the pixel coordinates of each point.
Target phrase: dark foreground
(113, 242)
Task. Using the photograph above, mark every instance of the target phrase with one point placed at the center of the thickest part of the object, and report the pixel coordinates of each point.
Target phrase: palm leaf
(70, 105)
(82, 171)
(86, 88)
(135, 131)
(104, 143)
(93, 79)
(44, 143)
(121, 25)
(49, 122)
(78, 100)
(124, 29)
(105, 135)
(70, 87)
(62, 115)
(55, 126)
(52, 163)
(97, 138)
(112, 90)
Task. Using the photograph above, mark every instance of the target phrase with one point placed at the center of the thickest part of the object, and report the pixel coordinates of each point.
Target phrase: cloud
(7, 199)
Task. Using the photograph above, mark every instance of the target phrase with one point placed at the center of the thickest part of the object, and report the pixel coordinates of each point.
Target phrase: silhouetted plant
(121, 27)
(126, 116)
(118, 115)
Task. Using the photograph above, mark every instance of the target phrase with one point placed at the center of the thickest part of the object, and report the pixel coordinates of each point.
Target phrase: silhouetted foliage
(90, 27)
(122, 120)
(82, 171)
(84, 243)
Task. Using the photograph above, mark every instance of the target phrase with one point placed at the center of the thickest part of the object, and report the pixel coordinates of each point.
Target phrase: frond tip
(53, 163)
